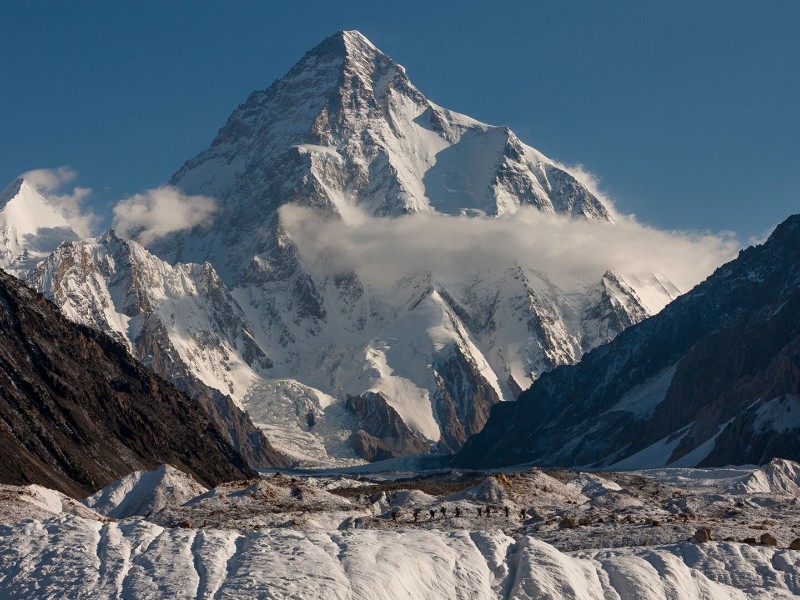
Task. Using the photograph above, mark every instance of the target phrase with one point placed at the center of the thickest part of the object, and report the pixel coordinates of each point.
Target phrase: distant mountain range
(712, 380)
(335, 368)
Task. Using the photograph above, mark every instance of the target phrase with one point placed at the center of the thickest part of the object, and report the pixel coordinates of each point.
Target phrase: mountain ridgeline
(713, 379)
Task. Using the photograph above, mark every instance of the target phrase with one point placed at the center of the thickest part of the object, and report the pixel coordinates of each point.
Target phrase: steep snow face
(30, 228)
(119, 287)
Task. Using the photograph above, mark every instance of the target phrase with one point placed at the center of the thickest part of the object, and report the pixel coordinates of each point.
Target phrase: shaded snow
(655, 455)
(779, 414)
(642, 400)
(592, 485)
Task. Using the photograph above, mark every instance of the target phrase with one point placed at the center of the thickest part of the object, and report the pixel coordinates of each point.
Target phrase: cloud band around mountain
(569, 251)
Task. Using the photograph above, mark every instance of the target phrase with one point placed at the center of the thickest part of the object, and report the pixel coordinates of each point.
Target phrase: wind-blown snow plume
(157, 212)
(50, 182)
(384, 250)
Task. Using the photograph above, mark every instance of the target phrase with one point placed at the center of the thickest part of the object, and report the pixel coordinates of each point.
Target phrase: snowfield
(340, 535)
(72, 557)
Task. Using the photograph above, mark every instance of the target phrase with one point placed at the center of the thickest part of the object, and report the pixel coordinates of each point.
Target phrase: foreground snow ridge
(138, 559)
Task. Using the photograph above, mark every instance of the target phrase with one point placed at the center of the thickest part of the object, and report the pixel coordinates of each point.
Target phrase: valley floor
(583, 535)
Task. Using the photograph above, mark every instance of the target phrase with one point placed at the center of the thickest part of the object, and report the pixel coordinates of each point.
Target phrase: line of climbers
(487, 511)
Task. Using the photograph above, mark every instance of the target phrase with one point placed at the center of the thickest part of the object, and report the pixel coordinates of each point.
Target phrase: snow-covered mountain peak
(30, 227)
(347, 55)
(354, 39)
(345, 128)
(23, 207)
(338, 363)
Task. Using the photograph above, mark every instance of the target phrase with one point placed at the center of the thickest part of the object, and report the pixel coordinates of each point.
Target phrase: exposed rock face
(711, 380)
(77, 411)
(463, 399)
(381, 433)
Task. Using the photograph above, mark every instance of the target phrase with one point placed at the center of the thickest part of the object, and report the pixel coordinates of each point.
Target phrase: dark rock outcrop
(77, 411)
(381, 433)
(463, 399)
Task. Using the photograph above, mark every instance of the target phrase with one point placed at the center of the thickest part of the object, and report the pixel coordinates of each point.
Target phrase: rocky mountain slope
(179, 321)
(77, 411)
(711, 380)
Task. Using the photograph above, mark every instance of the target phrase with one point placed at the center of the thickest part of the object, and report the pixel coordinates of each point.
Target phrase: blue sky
(687, 111)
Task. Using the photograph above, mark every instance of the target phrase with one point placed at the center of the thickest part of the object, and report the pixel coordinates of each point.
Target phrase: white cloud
(157, 212)
(50, 183)
(383, 250)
